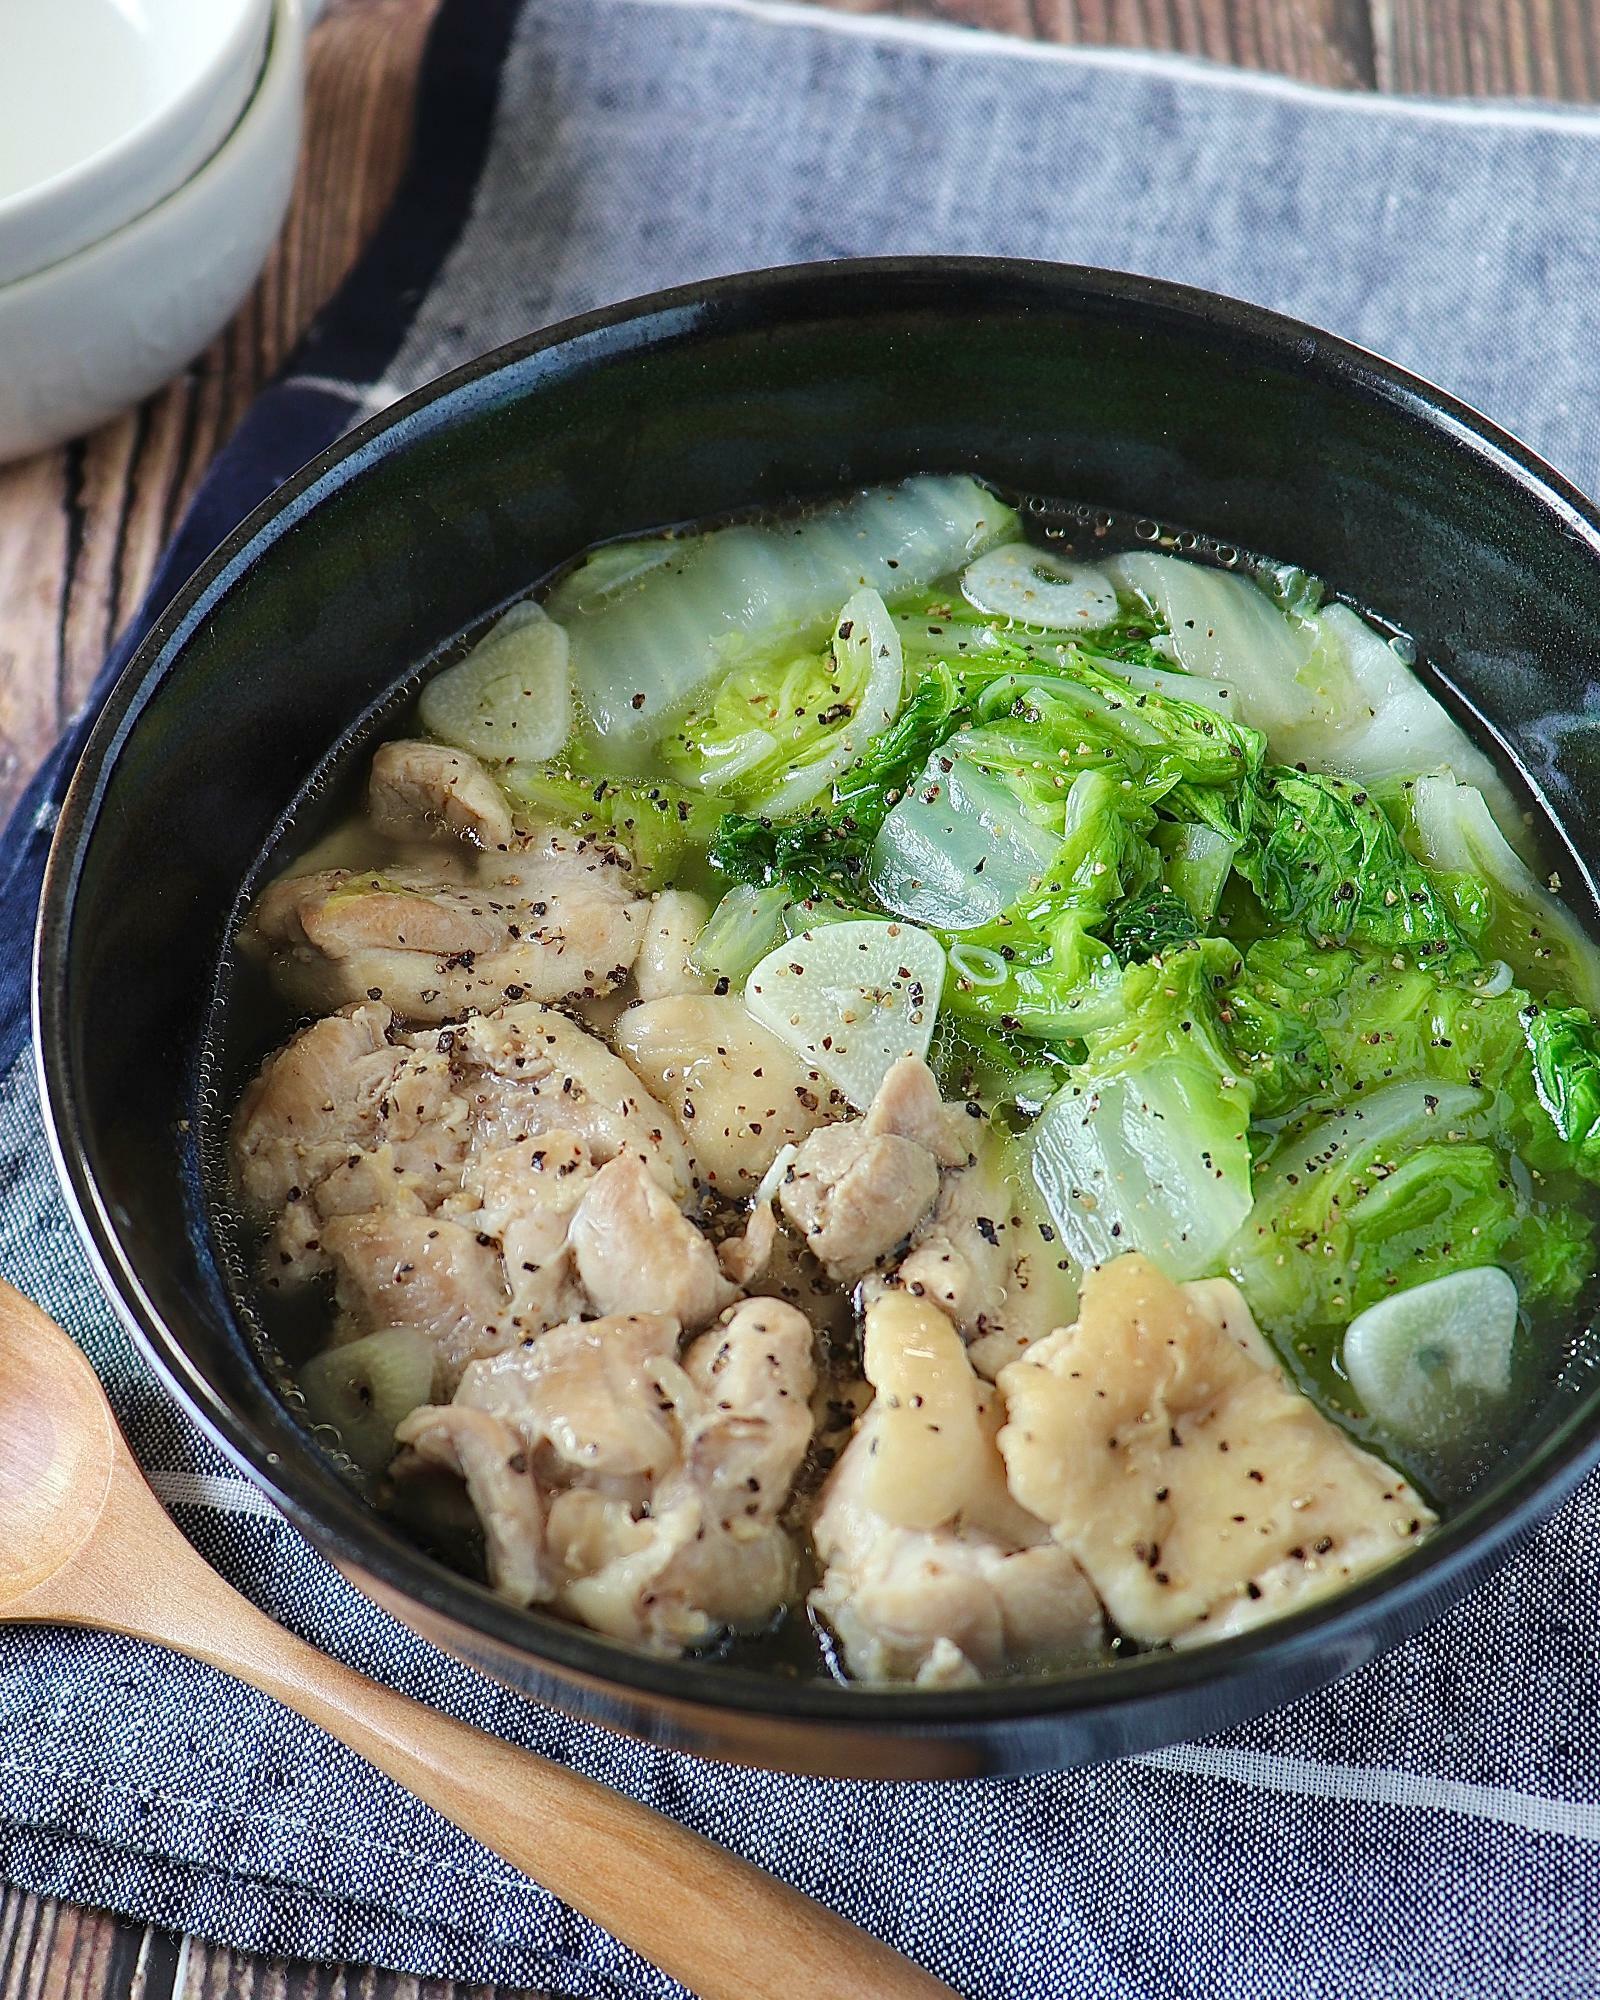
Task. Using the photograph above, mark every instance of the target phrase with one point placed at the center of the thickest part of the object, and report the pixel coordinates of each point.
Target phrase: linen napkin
(1425, 1830)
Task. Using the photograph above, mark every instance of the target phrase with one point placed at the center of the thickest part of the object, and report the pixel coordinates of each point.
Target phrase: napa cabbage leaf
(778, 733)
(1147, 1146)
(660, 825)
(1222, 627)
(1325, 859)
(1042, 966)
(1373, 720)
(1564, 1046)
(1042, 728)
(1030, 732)
(1494, 897)
(1196, 861)
(824, 852)
(960, 845)
(1398, 1186)
(1311, 1023)
(644, 647)
(1309, 1020)
(745, 925)
(1151, 925)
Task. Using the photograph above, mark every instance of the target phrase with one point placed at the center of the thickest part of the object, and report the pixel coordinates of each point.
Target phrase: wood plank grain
(55, 1951)
(209, 1972)
(1489, 48)
(1319, 41)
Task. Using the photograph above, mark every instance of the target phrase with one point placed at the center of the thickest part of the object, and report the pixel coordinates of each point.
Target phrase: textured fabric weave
(1428, 1829)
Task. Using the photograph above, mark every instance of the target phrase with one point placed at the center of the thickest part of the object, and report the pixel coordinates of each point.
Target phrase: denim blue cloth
(1426, 1830)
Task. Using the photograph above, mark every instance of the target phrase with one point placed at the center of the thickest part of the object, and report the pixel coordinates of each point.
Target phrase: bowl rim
(150, 160)
(359, 1539)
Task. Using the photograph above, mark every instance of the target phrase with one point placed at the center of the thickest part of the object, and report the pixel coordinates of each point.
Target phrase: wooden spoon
(87, 1543)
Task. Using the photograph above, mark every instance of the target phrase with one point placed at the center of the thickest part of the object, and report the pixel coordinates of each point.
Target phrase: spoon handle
(722, 1927)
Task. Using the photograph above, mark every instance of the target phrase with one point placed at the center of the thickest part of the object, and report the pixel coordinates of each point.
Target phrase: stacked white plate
(147, 152)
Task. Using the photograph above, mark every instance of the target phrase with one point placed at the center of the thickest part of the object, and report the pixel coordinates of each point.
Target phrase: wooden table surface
(80, 529)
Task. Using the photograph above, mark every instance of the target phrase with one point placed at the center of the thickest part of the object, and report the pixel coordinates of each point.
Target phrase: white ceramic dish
(98, 330)
(107, 106)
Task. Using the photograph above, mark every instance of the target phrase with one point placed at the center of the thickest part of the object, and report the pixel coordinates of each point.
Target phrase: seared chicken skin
(932, 1572)
(1200, 1491)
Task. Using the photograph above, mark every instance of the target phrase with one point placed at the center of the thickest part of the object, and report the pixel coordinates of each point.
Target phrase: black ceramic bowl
(763, 389)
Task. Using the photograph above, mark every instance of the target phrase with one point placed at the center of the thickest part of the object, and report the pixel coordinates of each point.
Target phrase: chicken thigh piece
(524, 1193)
(428, 1271)
(908, 1106)
(718, 1557)
(660, 1478)
(488, 1456)
(471, 913)
(739, 1094)
(932, 1572)
(318, 1098)
(636, 1252)
(439, 1177)
(344, 1120)
(531, 1069)
(858, 1189)
(664, 967)
(599, 1401)
(755, 1374)
(543, 917)
(418, 790)
(545, 920)
(1200, 1491)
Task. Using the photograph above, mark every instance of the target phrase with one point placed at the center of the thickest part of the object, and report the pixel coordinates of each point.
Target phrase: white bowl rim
(79, 366)
(252, 28)
(282, 16)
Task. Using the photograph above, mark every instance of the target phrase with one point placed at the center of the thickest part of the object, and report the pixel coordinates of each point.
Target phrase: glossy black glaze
(759, 389)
